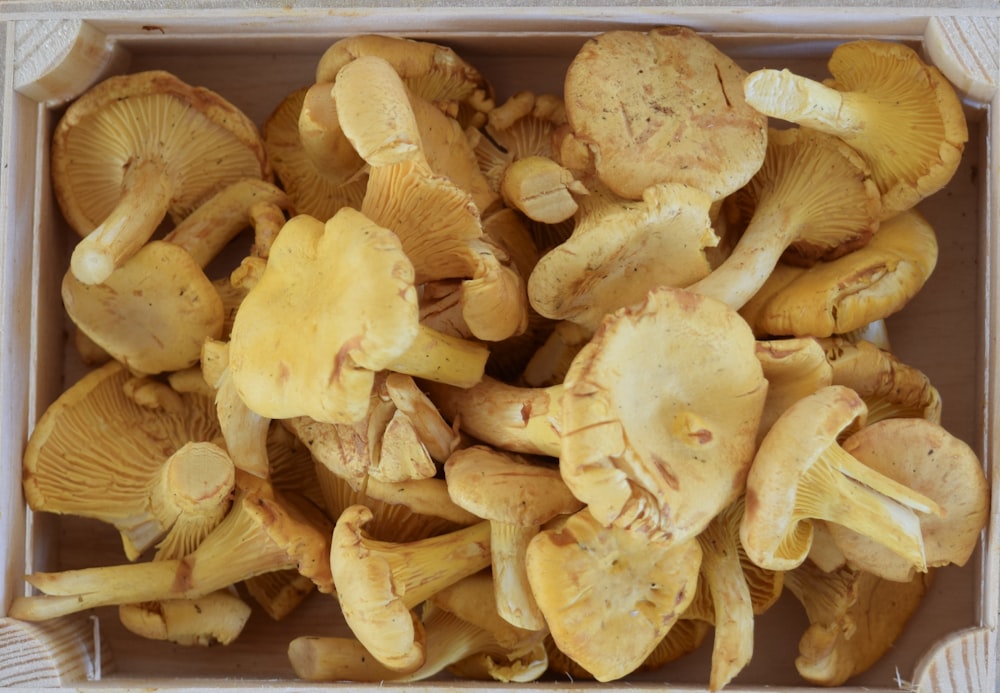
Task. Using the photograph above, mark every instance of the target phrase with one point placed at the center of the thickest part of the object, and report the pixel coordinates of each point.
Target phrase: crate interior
(942, 332)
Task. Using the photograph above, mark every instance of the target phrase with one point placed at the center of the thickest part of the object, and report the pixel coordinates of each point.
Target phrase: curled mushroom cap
(794, 368)
(335, 304)
(901, 114)
(137, 147)
(96, 453)
(852, 291)
(812, 195)
(925, 457)
(680, 115)
(380, 582)
(801, 473)
(608, 595)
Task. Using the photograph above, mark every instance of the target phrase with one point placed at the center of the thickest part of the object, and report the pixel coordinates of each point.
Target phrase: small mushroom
(679, 112)
(800, 472)
(900, 113)
(136, 148)
(794, 368)
(335, 304)
(517, 497)
(812, 195)
(927, 458)
(850, 292)
(608, 595)
(379, 583)
(96, 453)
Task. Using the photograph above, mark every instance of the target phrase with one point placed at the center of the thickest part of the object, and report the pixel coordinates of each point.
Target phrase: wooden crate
(255, 53)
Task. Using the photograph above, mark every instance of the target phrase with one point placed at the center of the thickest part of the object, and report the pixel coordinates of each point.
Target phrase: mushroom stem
(519, 419)
(143, 205)
(785, 95)
(515, 603)
(442, 358)
(741, 275)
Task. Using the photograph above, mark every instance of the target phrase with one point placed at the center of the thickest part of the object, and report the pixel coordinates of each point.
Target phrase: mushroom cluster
(557, 384)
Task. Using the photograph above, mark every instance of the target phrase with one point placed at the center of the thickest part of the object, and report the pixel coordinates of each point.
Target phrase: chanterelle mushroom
(637, 425)
(812, 194)
(335, 304)
(136, 147)
(96, 453)
(800, 472)
(901, 114)
(608, 595)
(679, 113)
(927, 458)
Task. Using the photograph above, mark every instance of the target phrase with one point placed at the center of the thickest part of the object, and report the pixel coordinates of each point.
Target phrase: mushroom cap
(851, 291)
(620, 249)
(311, 191)
(153, 313)
(646, 440)
(94, 452)
(794, 368)
(335, 303)
(608, 595)
(927, 458)
(200, 139)
(505, 487)
(680, 112)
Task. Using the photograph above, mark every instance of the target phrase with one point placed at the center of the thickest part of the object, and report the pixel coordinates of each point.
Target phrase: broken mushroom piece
(812, 196)
(135, 148)
(900, 113)
(679, 112)
(96, 453)
(379, 583)
(608, 595)
(855, 618)
(261, 533)
(925, 457)
(517, 497)
(335, 304)
(800, 472)
(661, 464)
(215, 618)
(850, 292)
(620, 249)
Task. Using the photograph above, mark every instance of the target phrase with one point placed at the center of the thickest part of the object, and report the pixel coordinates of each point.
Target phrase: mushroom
(794, 368)
(927, 458)
(311, 189)
(459, 621)
(261, 533)
(438, 223)
(517, 497)
(609, 596)
(217, 617)
(135, 148)
(812, 195)
(620, 249)
(800, 472)
(96, 453)
(679, 112)
(850, 292)
(636, 425)
(335, 304)
(380, 582)
(156, 309)
(900, 113)
(855, 618)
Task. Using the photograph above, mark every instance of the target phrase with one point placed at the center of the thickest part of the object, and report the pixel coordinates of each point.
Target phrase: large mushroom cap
(678, 112)
(136, 147)
(660, 414)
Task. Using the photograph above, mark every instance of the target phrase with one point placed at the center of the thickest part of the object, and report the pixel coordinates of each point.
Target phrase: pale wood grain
(57, 653)
(967, 50)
